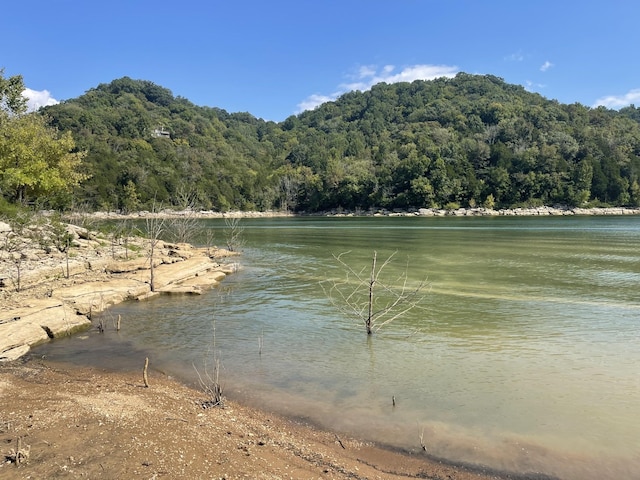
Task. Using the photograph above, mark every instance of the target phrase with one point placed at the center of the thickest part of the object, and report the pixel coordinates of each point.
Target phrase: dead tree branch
(367, 297)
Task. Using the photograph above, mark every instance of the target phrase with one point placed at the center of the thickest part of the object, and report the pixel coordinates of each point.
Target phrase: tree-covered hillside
(143, 144)
(468, 141)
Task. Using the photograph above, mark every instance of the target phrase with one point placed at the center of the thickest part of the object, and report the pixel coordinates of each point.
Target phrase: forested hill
(467, 141)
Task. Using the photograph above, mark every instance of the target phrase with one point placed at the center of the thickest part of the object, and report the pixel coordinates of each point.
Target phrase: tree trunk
(372, 281)
(152, 280)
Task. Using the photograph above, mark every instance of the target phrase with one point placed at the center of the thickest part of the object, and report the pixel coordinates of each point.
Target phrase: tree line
(467, 141)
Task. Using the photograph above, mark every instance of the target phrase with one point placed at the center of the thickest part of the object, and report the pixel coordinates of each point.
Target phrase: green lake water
(524, 355)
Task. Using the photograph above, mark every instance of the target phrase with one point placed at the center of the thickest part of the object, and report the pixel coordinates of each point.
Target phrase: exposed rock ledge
(50, 305)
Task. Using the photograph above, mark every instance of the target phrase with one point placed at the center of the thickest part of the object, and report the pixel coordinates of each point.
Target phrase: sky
(277, 58)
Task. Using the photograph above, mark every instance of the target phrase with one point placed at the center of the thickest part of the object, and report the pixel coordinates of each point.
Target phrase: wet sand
(75, 422)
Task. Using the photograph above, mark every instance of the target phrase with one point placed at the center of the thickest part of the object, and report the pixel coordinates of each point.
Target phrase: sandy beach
(71, 422)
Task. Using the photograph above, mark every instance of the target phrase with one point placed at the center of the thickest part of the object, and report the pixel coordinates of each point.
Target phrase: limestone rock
(35, 323)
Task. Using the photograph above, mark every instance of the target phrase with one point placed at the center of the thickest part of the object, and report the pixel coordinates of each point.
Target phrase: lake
(524, 354)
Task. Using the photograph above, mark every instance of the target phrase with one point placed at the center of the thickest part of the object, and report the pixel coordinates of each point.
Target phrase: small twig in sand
(177, 419)
(144, 372)
(20, 454)
(340, 441)
(424, 447)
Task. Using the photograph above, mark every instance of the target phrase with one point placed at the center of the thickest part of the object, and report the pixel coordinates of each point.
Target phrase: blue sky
(276, 58)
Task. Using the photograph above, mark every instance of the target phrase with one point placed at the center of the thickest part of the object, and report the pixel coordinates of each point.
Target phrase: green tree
(634, 190)
(441, 142)
(11, 100)
(130, 201)
(489, 202)
(36, 160)
(582, 180)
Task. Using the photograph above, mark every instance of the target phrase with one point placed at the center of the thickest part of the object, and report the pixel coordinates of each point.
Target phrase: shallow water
(524, 356)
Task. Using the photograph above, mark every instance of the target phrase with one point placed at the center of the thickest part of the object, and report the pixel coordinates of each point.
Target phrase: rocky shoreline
(46, 294)
(559, 210)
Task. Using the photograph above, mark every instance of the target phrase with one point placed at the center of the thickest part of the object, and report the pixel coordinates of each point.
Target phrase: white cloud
(546, 66)
(366, 71)
(515, 57)
(37, 99)
(619, 101)
(368, 76)
(532, 86)
(312, 101)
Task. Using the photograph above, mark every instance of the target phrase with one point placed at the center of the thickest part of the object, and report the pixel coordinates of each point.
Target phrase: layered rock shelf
(44, 297)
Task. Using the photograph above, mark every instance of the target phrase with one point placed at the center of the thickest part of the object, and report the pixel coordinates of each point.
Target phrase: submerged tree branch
(370, 299)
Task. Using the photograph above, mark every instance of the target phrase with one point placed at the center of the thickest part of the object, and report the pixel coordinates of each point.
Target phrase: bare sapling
(209, 378)
(61, 239)
(186, 226)
(80, 215)
(210, 236)
(101, 325)
(120, 236)
(234, 234)
(20, 454)
(115, 236)
(15, 242)
(370, 299)
(13, 246)
(155, 228)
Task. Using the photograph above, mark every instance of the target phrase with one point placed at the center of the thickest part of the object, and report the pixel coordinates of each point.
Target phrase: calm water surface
(524, 357)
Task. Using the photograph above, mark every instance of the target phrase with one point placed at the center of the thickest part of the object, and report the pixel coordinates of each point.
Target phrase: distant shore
(378, 212)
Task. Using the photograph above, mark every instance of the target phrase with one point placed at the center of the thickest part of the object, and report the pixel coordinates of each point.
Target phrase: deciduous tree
(11, 100)
(36, 160)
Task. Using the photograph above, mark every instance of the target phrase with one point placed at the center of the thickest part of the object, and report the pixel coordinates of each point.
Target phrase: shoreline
(418, 212)
(66, 420)
(77, 393)
(88, 422)
(47, 294)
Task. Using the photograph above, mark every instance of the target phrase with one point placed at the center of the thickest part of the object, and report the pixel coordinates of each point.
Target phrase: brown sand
(84, 423)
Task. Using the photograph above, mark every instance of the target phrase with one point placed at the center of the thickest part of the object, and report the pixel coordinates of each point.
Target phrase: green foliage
(469, 140)
(144, 145)
(35, 160)
(8, 209)
(11, 100)
(60, 235)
